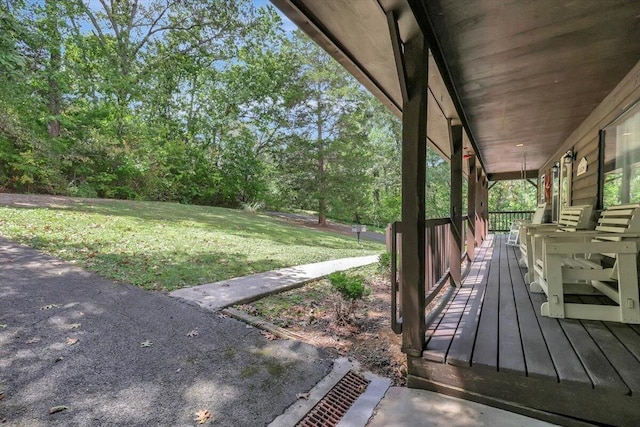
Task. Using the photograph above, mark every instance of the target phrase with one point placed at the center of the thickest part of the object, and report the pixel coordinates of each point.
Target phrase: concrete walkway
(405, 407)
(215, 296)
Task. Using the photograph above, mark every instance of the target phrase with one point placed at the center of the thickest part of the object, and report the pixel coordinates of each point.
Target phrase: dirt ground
(310, 313)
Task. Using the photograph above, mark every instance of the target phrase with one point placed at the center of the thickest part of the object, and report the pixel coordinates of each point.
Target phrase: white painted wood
(576, 263)
(572, 218)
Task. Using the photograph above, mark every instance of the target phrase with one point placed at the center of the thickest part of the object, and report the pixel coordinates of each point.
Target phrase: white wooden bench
(603, 261)
(518, 227)
(571, 218)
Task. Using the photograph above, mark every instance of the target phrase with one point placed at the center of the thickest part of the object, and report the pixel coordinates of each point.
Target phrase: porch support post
(478, 210)
(455, 211)
(412, 66)
(472, 191)
(484, 203)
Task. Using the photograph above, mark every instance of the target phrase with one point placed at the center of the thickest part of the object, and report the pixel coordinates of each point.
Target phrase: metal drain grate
(331, 408)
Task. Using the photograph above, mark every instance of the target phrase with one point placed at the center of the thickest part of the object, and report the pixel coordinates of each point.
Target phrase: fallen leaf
(32, 340)
(3, 325)
(223, 316)
(269, 335)
(74, 326)
(55, 409)
(146, 343)
(202, 416)
(49, 307)
(193, 333)
(1, 395)
(304, 396)
(71, 341)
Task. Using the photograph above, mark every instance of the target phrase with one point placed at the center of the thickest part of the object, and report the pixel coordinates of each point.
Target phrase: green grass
(165, 246)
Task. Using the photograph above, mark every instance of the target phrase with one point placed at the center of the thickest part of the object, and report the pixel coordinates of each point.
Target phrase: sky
(288, 25)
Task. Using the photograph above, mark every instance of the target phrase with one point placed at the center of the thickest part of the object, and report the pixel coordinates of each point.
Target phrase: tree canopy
(205, 102)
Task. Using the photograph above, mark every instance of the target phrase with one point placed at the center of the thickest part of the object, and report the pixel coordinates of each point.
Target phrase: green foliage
(208, 103)
(165, 246)
(350, 287)
(517, 195)
(384, 263)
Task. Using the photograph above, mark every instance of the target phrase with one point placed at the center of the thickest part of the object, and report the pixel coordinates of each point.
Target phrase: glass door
(555, 193)
(566, 169)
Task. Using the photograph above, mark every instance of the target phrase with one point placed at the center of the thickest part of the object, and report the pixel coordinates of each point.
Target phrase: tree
(325, 155)
(516, 195)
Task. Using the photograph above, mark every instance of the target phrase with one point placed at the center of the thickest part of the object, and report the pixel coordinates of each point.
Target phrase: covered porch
(490, 344)
(546, 91)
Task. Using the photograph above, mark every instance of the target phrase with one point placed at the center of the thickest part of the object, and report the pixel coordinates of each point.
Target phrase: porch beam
(414, 155)
(455, 207)
(419, 9)
(396, 44)
(510, 176)
(533, 183)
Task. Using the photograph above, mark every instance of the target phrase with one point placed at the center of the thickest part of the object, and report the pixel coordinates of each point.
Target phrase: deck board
(492, 342)
(627, 336)
(622, 361)
(537, 357)
(596, 364)
(485, 352)
(510, 354)
(461, 349)
(440, 339)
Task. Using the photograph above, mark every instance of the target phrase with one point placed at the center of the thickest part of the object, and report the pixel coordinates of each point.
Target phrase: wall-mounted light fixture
(555, 167)
(569, 156)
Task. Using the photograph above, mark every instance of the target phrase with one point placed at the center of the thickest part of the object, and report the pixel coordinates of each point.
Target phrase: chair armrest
(566, 234)
(555, 247)
(541, 228)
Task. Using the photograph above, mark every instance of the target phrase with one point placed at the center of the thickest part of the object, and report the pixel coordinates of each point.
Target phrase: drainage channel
(331, 408)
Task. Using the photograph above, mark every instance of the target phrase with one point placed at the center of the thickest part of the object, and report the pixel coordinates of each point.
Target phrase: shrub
(384, 263)
(351, 289)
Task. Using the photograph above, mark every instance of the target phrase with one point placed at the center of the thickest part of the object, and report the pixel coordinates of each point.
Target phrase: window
(621, 182)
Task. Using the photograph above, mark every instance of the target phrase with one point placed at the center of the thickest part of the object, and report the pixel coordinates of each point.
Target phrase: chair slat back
(620, 219)
(538, 215)
(575, 217)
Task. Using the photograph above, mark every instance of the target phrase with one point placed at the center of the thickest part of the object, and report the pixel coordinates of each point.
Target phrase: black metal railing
(500, 222)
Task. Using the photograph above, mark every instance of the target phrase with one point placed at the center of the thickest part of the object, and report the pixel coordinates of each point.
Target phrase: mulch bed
(367, 337)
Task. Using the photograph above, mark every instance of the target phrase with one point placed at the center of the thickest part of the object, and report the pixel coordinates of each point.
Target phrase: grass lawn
(165, 246)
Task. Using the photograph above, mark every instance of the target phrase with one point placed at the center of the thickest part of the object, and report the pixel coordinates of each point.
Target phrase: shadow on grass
(163, 270)
(229, 221)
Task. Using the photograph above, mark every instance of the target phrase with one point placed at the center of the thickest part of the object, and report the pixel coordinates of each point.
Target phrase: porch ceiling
(523, 72)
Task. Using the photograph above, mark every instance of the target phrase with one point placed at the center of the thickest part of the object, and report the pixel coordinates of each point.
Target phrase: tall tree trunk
(53, 69)
(322, 201)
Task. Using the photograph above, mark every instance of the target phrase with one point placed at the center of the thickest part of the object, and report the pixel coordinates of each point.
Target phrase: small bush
(384, 262)
(351, 289)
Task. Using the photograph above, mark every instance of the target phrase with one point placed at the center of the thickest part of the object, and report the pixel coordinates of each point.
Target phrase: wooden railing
(437, 261)
(500, 222)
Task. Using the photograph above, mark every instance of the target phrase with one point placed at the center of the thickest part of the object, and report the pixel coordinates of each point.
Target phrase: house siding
(584, 141)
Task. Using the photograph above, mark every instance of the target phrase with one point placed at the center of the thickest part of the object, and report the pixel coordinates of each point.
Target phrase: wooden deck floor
(491, 344)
